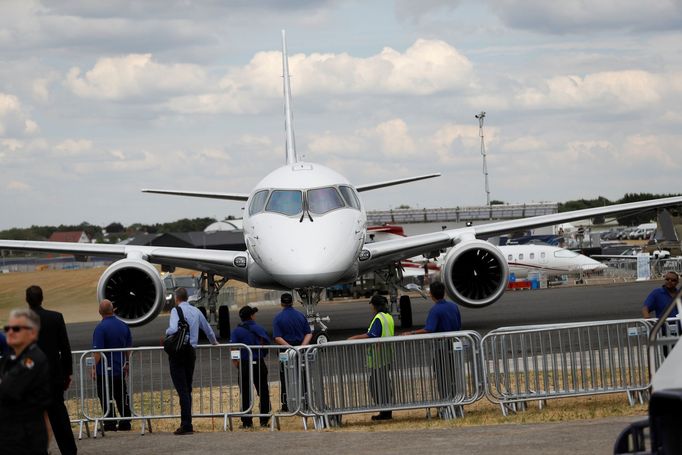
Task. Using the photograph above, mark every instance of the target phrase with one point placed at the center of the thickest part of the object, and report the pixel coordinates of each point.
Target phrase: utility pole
(480, 116)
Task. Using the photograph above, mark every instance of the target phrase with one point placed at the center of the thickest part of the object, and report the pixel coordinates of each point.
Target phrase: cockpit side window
(323, 200)
(350, 197)
(258, 202)
(286, 202)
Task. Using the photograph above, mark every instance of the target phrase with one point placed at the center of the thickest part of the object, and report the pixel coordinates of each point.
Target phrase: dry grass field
(72, 292)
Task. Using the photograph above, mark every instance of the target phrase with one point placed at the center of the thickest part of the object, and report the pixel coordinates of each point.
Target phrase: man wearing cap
(289, 328)
(251, 334)
(182, 364)
(379, 355)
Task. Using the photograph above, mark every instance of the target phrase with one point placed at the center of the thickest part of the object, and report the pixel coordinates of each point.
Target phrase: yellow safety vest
(380, 355)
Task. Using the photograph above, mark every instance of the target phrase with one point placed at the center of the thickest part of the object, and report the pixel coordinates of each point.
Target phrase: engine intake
(135, 289)
(475, 273)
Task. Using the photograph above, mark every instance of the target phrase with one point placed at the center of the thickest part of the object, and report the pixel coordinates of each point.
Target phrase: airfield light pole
(481, 116)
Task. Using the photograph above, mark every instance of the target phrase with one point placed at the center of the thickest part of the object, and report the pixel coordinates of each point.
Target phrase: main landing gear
(402, 308)
(211, 285)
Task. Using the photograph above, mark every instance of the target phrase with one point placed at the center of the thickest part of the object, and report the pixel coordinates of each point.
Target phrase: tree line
(112, 232)
(116, 231)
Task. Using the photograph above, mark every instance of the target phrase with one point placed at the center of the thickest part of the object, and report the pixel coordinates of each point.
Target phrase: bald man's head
(106, 308)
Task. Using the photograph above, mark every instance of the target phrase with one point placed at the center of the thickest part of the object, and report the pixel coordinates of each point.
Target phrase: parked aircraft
(305, 229)
(521, 259)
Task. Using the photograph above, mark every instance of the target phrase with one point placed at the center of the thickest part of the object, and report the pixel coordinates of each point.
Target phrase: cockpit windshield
(286, 202)
(323, 200)
(565, 254)
(350, 197)
(258, 202)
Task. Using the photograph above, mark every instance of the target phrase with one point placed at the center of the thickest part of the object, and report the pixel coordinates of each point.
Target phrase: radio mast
(481, 116)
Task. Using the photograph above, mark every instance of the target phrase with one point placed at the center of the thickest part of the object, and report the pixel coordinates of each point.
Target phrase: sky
(101, 99)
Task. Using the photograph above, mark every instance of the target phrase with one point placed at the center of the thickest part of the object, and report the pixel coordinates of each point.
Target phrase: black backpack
(175, 343)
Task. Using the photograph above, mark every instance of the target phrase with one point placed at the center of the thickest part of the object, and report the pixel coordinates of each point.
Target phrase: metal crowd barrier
(510, 366)
(149, 390)
(562, 360)
(411, 372)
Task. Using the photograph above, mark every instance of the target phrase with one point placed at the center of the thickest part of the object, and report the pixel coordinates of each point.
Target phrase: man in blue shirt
(4, 348)
(112, 333)
(443, 317)
(289, 328)
(380, 356)
(251, 334)
(659, 299)
(182, 364)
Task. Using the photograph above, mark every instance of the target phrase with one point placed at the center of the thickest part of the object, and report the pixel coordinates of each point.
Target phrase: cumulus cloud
(133, 76)
(596, 15)
(14, 120)
(73, 147)
(621, 90)
(427, 67)
(17, 185)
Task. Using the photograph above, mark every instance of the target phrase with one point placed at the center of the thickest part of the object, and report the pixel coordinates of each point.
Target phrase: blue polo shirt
(251, 334)
(112, 333)
(658, 300)
(291, 325)
(4, 348)
(443, 317)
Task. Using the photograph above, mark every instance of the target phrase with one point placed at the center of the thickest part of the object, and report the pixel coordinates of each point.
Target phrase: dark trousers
(380, 385)
(444, 370)
(182, 372)
(118, 391)
(24, 436)
(60, 423)
(260, 381)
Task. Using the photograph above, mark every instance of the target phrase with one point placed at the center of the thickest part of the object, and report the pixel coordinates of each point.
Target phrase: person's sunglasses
(672, 279)
(16, 328)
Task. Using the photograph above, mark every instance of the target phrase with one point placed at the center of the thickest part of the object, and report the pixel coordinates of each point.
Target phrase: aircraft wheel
(224, 322)
(405, 312)
(319, 338)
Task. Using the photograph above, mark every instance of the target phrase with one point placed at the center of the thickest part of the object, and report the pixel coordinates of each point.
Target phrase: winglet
(288, 116)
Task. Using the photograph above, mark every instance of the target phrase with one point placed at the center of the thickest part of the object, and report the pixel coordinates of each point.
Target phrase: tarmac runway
(577, 437)
(569, 304)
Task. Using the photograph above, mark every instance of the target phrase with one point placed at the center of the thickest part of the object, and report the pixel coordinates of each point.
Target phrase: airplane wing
(228, 196)
(381, 253)
(216, 261)
(374, 186)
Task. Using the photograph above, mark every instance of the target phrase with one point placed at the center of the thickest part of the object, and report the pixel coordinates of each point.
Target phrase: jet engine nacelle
(475, 273)
(135, 288)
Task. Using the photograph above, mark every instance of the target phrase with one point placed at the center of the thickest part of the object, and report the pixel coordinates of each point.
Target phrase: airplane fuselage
(304, 226)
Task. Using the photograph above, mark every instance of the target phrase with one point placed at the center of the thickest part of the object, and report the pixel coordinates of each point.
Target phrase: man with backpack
(252, 334)
(185, 316)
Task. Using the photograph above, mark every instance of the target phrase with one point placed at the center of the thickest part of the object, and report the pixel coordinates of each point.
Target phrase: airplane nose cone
(301, 254)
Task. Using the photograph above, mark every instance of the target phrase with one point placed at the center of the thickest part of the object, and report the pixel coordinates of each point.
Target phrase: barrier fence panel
(437, 370)
(144, 386)
(552, 361)
(277, 371)
(666, 339)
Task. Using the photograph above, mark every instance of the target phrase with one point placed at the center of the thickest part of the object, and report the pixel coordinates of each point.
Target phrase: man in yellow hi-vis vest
(379, 356)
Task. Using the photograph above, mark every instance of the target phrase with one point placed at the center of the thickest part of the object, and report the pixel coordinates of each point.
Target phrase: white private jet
(305, 229)
(521, 259)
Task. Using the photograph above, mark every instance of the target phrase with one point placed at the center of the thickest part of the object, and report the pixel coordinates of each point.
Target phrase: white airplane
(521, 259)
(306, 229)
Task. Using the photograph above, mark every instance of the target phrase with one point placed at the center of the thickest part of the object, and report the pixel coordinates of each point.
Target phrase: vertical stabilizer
(288, 116)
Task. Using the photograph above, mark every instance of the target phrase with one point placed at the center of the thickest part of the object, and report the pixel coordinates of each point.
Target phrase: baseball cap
(378, 301)
(245, 312)
(286, 299)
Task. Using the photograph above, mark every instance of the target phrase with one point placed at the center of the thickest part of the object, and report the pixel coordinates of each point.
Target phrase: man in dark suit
(54, 342)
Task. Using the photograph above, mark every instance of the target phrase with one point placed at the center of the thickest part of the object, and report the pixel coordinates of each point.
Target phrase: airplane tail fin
(288, 116)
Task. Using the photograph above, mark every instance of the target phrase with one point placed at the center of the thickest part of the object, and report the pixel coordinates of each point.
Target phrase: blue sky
(101, 99)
